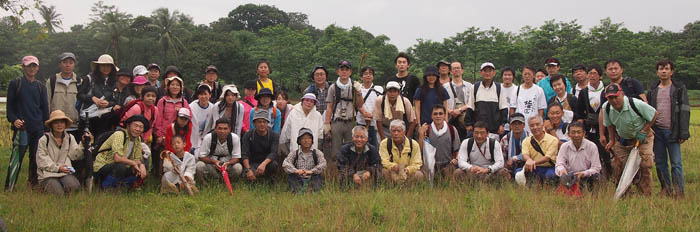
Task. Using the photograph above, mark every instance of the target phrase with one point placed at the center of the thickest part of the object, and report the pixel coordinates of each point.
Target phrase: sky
(406, 21)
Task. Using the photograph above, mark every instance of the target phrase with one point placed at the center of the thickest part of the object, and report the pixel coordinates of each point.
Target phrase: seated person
(539, 152)
(170, 182)
(579, 157)
(219, 148)
(259, 148)
(480, 157)
(119, 161)
(305, 164)
(444, 138)
(358, 161)
(55, 151)
(511, 144)
(555, 126)
(401, 156)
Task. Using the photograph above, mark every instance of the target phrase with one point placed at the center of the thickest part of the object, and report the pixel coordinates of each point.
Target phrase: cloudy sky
(408, 20)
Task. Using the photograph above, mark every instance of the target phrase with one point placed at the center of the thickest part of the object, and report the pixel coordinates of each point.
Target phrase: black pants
(602, 153)
(32, 143)
(115, 170)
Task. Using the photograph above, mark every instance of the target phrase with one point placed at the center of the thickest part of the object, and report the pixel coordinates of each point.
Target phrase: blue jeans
(663, 149)
(541, 173)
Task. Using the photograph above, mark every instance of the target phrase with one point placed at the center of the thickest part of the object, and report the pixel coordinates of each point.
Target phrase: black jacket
(680, 109)
(575, 104)
(349, 162)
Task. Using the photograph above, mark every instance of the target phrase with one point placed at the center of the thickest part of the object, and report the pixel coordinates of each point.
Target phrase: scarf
(441, 131)
(387, 107)
(341, 85)
(511, 143)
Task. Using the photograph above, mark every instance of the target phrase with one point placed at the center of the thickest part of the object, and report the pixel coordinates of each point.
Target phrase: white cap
(487, 64)
(393, 84)
(230, 87)
(184, 112)
(140, 70)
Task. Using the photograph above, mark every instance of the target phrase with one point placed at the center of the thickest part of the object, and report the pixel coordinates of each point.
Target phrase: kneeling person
(480, 157)
(539, 151)
(259, 148)
(401, 156)
(174, 165)
(119, 162)
(304, 164)
(579, 157)
(358, 161)
(219, 149)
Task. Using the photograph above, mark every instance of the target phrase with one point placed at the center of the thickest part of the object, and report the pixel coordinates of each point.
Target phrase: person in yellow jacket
(403, 165)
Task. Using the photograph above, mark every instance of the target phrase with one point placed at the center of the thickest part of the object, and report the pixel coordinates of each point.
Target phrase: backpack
(70, 140)
(371, 89)
(100, 139)
(498, 89)
(128, 106)
(313, 154)
(631, 102)
(470, 145)
(19, 86)
(214, 140)
(52, 82)
(391, 154)
(338, 98)
(405, 110)
(261, 86)
(274, 112)
(452, 136)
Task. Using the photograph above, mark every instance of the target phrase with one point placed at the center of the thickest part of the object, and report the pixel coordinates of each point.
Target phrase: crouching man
(579, 157)
(304, 165)
(401, 156)
(480, 158)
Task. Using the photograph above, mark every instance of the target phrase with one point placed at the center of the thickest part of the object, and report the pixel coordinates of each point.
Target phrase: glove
(641, 137)
(326, 129)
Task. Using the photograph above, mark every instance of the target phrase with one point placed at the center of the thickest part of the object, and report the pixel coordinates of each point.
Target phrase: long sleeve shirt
(584, 159)
(49, 156)
(256, 148)
(352, 161)
(187, 166)
(304, 161)
(30, 104)
(480, 156)
(412, 161)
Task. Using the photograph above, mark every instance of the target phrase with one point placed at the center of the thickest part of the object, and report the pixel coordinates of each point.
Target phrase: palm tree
(113, 27)
(51, 18)
(168, 27)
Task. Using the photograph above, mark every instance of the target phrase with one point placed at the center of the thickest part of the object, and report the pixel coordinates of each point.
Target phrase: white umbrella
(631, 168)
(429, 158)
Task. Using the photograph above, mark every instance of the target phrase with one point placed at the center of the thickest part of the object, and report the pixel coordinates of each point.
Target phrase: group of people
(442, 128)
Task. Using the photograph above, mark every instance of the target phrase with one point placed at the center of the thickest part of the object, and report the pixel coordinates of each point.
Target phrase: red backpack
(128, 106)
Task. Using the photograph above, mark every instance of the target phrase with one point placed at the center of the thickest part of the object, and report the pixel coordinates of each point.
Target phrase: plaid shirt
(305, 161)
(320, 95)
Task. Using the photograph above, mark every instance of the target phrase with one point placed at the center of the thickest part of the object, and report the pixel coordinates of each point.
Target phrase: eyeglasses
(438, 113)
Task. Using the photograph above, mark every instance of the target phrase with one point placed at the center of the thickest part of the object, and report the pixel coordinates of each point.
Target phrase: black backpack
(214, 140)
(470, 145)
(405, 110)
(313, 154)
(52, 82)
(498, 90)
(338, 98)
(100, 139)
(391, 154)
(452, 137)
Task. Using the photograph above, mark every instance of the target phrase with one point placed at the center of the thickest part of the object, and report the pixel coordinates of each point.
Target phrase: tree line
(293, 47)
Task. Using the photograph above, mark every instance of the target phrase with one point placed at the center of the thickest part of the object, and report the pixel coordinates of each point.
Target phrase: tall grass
(456, 207)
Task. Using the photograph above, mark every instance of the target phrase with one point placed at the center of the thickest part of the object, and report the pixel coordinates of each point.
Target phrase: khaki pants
(341, 133)
(646, 152)
(60, 185)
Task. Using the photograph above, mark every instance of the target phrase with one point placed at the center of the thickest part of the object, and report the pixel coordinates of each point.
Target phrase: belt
(342, 120)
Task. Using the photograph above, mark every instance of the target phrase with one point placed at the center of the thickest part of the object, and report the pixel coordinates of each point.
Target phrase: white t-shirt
(369, 102)
(509, 92)
(528, 102)
(200, 119)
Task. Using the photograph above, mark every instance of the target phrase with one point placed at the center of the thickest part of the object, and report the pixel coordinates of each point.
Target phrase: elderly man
(401, 156)
(219, 148)
(480, 157)
(629, 122)
(358, 161)
(259, 148)
(512, 143)
(539, 152)
(579, 157)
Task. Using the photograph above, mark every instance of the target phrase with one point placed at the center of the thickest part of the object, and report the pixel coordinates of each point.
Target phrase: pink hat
(27, 60)
(139, 80)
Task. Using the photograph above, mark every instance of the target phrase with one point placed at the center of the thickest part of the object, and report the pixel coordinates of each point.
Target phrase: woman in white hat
(229, 107)
(94, 89)
(54, 154)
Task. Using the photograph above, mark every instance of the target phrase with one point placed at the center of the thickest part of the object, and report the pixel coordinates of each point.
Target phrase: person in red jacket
(182, 126)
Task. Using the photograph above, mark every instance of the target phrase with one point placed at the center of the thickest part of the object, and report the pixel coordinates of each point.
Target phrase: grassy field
(458, 207)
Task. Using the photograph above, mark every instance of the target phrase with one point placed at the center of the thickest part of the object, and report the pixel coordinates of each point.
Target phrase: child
(185, 161)
(304, 164)
(183, 127)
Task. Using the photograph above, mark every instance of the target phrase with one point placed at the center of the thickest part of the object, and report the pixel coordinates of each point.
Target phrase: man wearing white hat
(27, 109)
(486, 103)
(388, 108)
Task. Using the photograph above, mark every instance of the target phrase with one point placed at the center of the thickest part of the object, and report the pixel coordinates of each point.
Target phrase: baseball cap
(487, 64)
(345, 63)
(393, 85)
(184, 112)
(152, 66)
(261, 114)
(613, 90)
(552, 61)
(442, 62)
(66, 55)
(140, 70)
(211, 68)
(517, 117)
(27, 60)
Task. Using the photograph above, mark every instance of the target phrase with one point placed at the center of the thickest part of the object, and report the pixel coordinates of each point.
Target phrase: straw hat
(57, 115)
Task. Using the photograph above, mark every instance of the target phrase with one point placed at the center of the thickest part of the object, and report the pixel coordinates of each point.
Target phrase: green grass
(271, 208)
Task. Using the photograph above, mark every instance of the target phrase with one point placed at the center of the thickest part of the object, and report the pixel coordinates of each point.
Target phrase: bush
(7, 73)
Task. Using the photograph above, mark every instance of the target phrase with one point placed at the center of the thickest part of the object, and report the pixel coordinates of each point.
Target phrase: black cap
(124, 72)
(152, 66)
(140, 118)
(263, 92)
(613, 90)
(345, 63)
(430, 70)
(578, 67)
(442, 62)
(66, 55)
